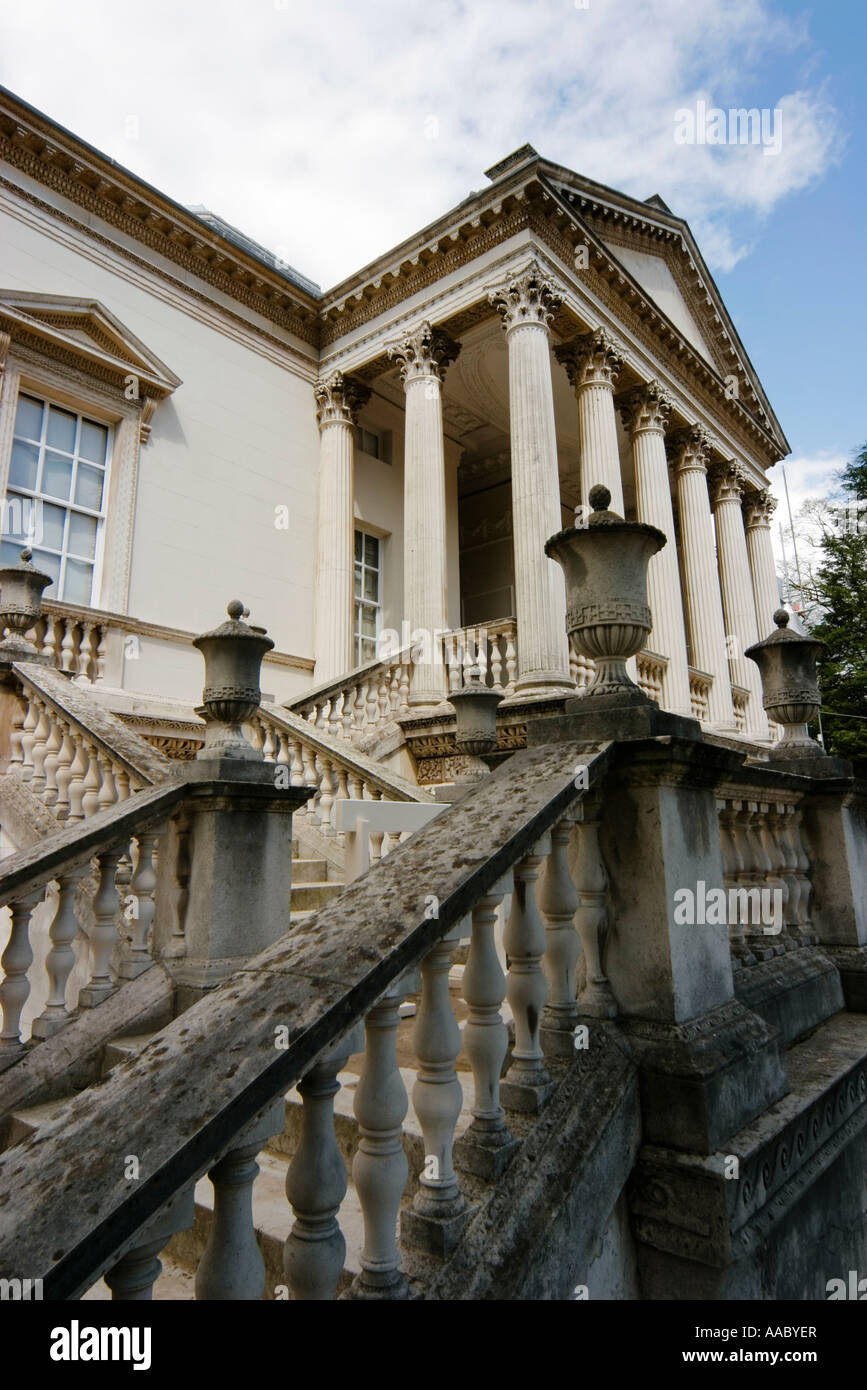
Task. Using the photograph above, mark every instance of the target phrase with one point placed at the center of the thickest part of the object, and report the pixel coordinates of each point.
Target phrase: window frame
(360, 602)
(48, 399)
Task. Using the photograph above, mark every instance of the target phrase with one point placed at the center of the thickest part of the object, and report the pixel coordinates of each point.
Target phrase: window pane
(368, 622)
(22, 470)
(10, 554)
(49, 564)
(82, 535)
(56, 476)
(371, 552)
(93, 441)
(28, 419)
(358, 544)
(52, 526)
(78, 582)
(371, 585)
(368, 651)
(358, 581)
(88, 486)
(61, 430)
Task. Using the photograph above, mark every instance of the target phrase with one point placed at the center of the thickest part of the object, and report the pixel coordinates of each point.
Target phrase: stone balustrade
(651, 674)
(700, 684)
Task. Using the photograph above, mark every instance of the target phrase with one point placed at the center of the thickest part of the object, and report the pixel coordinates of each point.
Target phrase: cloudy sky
(330, 131)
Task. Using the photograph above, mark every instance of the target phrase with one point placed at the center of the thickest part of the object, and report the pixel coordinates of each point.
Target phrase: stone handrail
(72, 754)
(215, 1073)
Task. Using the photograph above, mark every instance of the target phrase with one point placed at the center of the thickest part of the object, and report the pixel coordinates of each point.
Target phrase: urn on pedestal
(787, 663)
(233, 655)
(21, 588)
(475, 706)
(605, 563)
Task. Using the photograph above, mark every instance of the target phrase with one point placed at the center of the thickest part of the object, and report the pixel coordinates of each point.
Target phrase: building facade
(378, 466)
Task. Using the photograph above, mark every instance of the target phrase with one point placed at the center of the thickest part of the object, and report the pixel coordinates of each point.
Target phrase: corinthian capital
(688, 449)
(645, 407)
(532, 297)
(425, 352)
(339, 399)
(727, 482)
(758, 509)
(591, 359)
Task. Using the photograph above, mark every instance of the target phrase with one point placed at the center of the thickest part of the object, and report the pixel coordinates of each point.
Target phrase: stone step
(309, 871)
(310, 897)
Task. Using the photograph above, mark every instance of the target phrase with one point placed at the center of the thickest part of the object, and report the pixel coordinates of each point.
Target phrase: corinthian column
(739, 610)
(338, 400)
(424, 354)
(527, 305)
(645, 411)
(593, 363)
(758, 510)
(689, 450)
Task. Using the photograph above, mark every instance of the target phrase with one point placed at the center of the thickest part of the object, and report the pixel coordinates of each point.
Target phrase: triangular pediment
(656, 277)
(89, 332)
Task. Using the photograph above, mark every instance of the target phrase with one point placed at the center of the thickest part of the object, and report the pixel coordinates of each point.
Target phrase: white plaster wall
(236, 440)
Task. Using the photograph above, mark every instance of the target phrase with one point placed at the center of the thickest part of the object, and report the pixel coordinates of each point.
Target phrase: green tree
(834, 603)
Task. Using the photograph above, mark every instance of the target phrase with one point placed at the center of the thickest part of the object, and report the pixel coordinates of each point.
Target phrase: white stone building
(183, 416)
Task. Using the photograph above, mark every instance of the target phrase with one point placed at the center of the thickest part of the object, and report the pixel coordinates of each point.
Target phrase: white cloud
(309, 126)
(808, 477)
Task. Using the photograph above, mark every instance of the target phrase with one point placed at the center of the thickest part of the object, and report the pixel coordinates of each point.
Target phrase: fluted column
(424, 356)
(527, 305)
(645, 412)
(689, 450)
(338, 399)
(739, 609)
(593, 363)
(758, 510)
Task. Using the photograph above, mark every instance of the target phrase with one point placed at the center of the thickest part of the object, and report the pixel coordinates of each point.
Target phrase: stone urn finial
(787, 662)
(475, 706)
(233, 655)
(605, 564)
(21, 588)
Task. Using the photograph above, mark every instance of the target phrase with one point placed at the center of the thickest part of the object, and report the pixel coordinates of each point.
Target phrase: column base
(372, 1287)
(435, 1235)
(557, 1033)
(526, 1088)
(484, 1152)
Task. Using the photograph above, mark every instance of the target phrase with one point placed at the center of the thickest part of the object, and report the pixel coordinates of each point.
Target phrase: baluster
(383, 708)
(404, 685)
(231, 1267)
(322, 715)
(255, 732)
(376, 836)
(315, 1249)
(52, 761)
(103, 933)
(379, 1168)
(527, 1084)
(47, 645)
(16, 733)
(67, 646)
(267, 742)
(591, 880)
(326, 799)
(348, 713)
(40, 748)
(558, 903)
(84, 654)
(141, 904)
(122, 782)
(805, 926)
(511, 658)
(496, 660)
(359, 714)
(488, 1145)
(394, 688)
(733, 867)
(296, 764)
(311, 779)
(60, 961)
(92, 782)
(790, 870)
(342, 789)
(28, 736)
(775, 882)
(16, 961)
(107, 790)
(102, 637)
(372, 701)
(335, 722)
(63, 776)
(439, 1209)
(77, 772)
(281, 748)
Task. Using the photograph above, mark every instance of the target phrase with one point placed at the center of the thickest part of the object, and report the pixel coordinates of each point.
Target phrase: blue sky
(331, 132)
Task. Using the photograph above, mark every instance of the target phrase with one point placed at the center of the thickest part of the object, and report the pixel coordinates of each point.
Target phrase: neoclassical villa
(348, 846)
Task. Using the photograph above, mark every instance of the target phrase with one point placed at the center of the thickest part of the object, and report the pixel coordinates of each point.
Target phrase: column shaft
(645, 412)
(766, 590)
(338, 398)
(593, 363)
(527, 304)
(703, 599)
(737, 591)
